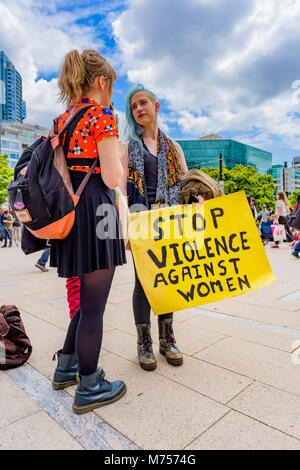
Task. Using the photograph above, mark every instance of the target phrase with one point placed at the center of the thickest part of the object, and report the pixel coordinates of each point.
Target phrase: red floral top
(97, 123)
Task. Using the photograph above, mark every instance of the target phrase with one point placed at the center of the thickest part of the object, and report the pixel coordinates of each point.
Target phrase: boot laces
(103, 380)
(170, 339)
(146, 339)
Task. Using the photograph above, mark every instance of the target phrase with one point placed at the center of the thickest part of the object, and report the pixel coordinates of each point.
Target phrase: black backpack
(41, 194)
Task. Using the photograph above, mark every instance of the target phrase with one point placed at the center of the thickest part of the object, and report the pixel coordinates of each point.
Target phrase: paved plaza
(239, 386)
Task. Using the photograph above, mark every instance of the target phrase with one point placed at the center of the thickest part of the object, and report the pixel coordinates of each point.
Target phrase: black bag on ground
(15, 346)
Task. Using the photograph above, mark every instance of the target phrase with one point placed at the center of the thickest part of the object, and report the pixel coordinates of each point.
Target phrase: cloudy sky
(229, 67)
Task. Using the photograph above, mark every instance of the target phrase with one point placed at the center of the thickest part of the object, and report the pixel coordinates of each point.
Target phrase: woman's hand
(128, 246)
(200, 201)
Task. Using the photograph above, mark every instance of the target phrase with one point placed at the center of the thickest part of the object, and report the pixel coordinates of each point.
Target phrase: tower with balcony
(12, 106)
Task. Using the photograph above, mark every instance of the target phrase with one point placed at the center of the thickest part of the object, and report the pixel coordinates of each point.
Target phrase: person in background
(266, 228)
(7, 221)
(296, 247)
(250, 202)
(264, 214)
(296, 250)
(254, 208)
(17, 231)
(281, 215)
(41, 262)
(1, 226)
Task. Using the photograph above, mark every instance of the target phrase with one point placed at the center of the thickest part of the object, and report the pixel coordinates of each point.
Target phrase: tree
(6, 175)
(293, 198)
(260, 187)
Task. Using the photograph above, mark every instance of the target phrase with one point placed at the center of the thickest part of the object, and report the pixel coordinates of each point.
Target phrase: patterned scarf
(168, 177)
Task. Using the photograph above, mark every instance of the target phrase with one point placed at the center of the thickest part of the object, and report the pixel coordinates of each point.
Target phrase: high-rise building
(12, 106)
(14, 135)
(296, 163)
(286, 179)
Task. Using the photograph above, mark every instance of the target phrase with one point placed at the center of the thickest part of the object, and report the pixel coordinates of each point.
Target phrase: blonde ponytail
(79, 72)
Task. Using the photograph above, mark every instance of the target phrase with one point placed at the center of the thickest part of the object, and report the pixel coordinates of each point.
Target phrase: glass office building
(12, 106)
(206, 152)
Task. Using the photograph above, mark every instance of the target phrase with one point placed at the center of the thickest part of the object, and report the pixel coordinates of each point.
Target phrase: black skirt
(95, 241)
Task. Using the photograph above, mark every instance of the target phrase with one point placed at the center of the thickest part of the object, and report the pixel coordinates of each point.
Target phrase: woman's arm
(110, 161)
(123, 183)
(124, 162)
(183, 164)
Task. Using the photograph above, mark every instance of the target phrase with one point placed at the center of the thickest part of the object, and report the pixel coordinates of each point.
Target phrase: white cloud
(36, 38)
(222, 66)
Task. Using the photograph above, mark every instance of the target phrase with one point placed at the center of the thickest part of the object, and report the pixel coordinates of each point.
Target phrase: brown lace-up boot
(144, 347)
(167, 343)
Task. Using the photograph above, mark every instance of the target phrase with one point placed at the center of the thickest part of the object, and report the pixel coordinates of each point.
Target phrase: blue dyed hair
(133, 130)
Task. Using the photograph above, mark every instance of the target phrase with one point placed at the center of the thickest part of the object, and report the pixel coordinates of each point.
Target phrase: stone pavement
(239, 387)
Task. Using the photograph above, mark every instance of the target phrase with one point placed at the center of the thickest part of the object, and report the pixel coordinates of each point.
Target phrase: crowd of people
(266, 220)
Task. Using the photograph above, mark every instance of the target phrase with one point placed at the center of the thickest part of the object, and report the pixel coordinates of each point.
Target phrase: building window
(14, 156)
(5, 143)
(10, 135)
(10, 145)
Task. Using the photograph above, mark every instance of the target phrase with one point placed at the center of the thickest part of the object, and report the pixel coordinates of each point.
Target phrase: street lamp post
(221, 182)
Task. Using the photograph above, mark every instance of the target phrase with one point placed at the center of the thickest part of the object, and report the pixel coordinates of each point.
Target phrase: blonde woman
(87, 80)
(154, 163)
(281, 213)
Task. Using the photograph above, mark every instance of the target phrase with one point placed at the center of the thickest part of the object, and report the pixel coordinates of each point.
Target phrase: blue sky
(227, 67)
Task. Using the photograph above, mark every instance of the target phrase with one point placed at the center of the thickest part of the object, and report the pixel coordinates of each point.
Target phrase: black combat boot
(94, 391)
(66, 372)
(167, 343)
(144, 347)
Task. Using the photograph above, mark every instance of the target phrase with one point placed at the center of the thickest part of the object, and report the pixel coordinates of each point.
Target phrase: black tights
(84, 334)
(141, 306)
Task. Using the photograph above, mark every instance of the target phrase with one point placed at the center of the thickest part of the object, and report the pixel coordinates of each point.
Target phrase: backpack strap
(69, 134)
(72, 125)
(54, 134)
(59, 154)
(86, 179)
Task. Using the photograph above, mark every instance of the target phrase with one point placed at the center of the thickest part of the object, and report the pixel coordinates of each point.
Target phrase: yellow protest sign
(188, 256)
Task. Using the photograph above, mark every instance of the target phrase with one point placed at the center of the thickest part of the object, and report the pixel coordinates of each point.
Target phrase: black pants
(8, 236)
(289, 236)
(141, 306)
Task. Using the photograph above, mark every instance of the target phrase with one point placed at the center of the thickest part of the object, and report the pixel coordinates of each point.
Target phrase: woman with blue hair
(153, 179)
